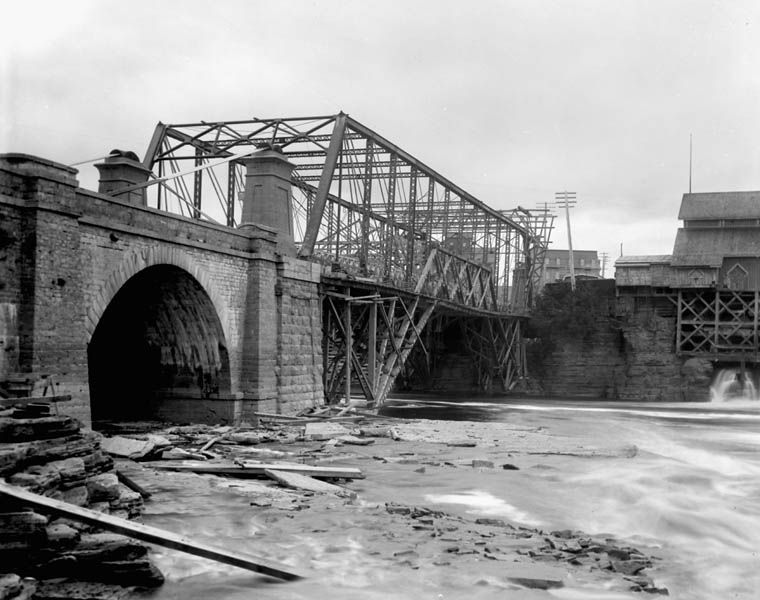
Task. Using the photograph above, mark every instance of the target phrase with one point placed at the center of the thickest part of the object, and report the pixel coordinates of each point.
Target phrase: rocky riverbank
(370, 535)
(47, 558)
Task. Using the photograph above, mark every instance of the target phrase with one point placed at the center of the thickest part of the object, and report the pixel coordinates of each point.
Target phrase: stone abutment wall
(625, 350)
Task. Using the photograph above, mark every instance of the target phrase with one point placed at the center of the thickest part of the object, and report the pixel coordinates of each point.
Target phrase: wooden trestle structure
(402, 246)
(718, 323)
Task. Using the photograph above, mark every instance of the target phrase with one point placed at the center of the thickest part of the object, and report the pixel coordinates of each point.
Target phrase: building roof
(707, 247)
(556, 253)
(639, 260)
(720, 205)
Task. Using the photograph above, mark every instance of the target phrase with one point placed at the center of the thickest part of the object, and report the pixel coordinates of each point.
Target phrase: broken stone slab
(124, 447)
(71, 471)
(80, 590)
(20, 530)
(244, 438)
(355, 441)
(97, 462)
(24, 430)
(142, 573)
(304, 482)
(325, 431)
(374, 431)
(462, 443)
(97, 547)
(493, 522)
(10, 585)
(129, 501)
(180, 454)
(629, 567)
(479, 463)
(158, 441)
(40, 479)
(61, 536)
(78, 496)
(537, 577)
(104, 487)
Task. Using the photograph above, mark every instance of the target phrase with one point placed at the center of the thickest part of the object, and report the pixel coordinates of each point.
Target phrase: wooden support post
(327, 316)
(349, 349)
(372, 348)
(755, 307)
(717, 320)
(679, 322)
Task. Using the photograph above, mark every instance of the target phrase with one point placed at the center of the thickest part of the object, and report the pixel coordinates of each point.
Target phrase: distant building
(718, 246)
(711, 282)
(557, 265)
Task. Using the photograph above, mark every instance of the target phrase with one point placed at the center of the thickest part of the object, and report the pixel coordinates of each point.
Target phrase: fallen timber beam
(259, 470)
(26, 400)
(145, 533)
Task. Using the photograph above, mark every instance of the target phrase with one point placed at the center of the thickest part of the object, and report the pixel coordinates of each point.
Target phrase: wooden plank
(320, 419)
(132, 484)
(304, 482)
(145, 533)
(4, 402)
(257, 470)
(210, 443)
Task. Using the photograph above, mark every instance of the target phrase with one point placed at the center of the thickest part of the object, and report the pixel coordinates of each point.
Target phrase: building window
(583, 262)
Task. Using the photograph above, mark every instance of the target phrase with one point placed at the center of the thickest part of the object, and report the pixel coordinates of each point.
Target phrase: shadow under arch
(160, 337)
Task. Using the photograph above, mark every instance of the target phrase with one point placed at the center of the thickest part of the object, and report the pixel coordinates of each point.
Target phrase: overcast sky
(510, 100)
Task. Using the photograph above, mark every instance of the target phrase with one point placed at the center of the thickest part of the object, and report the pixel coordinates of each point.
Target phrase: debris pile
(55, 457)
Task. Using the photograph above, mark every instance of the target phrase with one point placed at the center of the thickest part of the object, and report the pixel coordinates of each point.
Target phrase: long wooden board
(8, 402)
(304, 482)
(148, 534)
(259, 470)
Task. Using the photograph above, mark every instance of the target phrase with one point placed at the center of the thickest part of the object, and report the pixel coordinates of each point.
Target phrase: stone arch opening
(159, 338)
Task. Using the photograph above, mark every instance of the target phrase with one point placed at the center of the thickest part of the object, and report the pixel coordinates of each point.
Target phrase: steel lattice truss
(360, 203)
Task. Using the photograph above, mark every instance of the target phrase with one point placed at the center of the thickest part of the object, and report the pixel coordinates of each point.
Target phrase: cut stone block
(103, 488)
(127, 447)
(325, 431)
(538, 577)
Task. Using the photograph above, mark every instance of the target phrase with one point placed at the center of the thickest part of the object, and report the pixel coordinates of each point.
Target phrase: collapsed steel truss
(718, 323)
(371, 210)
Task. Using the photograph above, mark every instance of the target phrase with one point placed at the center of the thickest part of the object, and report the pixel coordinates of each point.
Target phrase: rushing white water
(691, 494)
(732, 384)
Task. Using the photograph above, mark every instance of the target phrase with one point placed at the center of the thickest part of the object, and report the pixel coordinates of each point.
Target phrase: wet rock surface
(383, 536)
(46, 557)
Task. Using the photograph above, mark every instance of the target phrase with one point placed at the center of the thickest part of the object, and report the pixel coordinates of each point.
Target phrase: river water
(692, 492)
(690, 495)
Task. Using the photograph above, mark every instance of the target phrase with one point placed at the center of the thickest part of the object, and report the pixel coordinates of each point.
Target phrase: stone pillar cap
(124, 157)
(270, 152)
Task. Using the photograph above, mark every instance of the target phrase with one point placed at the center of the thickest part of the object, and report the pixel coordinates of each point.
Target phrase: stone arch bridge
(262, 265)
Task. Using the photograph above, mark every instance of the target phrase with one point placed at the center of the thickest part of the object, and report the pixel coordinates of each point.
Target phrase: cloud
(511, 100)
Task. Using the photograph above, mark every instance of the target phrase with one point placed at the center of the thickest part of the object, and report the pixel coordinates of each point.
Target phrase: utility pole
(690, 156)
(566, 200)
(605, 256)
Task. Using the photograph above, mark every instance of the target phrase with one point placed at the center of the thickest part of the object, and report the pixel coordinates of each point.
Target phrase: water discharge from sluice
(734, 384)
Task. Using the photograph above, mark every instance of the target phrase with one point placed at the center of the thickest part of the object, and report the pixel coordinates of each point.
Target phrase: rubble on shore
(54, 456)
(519, 557)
